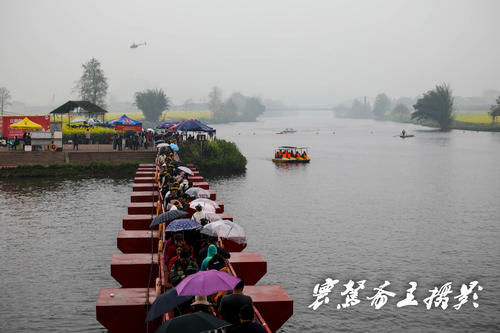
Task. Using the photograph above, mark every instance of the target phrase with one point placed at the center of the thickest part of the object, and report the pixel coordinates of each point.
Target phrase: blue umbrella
(167, 216)
(167, 124)
(166, 302)
(183, 224)
(174, 147)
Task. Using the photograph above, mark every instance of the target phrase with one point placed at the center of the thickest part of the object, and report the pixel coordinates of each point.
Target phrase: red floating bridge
(140, 263)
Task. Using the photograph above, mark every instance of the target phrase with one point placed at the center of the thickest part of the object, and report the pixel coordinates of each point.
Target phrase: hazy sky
(301, 52)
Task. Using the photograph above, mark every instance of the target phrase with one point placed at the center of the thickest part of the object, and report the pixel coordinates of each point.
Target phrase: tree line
(93, 86)
(237, 107)
(436, 105)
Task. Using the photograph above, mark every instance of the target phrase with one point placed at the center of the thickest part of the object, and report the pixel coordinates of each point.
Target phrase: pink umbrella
(206, 283)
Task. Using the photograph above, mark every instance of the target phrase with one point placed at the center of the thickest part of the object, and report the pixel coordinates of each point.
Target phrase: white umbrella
(225, 229)
(212, 217)
(161, 145)
(198, 192)
(186, 170)
(206, 207)
(200, 201)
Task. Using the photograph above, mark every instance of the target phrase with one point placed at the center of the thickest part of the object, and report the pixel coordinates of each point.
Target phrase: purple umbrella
(206, 283)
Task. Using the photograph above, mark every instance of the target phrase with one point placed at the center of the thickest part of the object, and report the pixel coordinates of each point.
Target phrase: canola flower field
(104, 135)
(169, 115)
(481, 117)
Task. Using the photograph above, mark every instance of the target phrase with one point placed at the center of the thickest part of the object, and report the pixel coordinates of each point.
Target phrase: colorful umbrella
(182, 224)
(206, 283)
(174, 147)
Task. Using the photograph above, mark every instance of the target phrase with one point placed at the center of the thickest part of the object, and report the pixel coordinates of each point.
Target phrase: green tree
(495, 111)
(215, 99)
(227, 112)
(360, 110)
(93, 85)
(4, 99)
(152, 103)
(381, 106)
(436, 105)
(252, 109)
(400, 113)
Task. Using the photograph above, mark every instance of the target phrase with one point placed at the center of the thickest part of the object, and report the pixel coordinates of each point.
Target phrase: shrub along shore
(92, 169)
(213, 158)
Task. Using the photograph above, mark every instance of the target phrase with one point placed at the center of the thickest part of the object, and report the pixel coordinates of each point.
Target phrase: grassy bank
(92, 169)
(214, 158)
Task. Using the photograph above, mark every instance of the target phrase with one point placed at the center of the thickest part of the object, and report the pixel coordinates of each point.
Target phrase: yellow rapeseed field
(94, 130)
(480, 117)
(169, 115)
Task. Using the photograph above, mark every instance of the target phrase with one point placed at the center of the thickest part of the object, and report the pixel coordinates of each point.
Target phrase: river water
(370, 206)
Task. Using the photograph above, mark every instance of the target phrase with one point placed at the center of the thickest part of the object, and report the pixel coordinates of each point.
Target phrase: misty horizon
(300, 53)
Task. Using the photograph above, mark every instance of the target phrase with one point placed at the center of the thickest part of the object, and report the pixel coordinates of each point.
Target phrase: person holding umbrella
(231, 305)
(171, 250)
(199, 214)
(183, 267)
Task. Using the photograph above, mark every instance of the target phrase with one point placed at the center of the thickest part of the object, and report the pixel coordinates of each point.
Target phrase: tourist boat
(300, 152)
(287, 130)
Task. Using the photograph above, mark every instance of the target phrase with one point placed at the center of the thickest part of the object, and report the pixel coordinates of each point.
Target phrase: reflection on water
(57, 237)
(370, 206)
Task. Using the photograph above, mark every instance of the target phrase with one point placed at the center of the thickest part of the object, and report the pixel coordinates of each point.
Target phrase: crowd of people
(188, 252)
(290, 154)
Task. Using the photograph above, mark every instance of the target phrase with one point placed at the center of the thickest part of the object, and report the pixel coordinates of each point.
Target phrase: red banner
(11, 133)
(137, 128)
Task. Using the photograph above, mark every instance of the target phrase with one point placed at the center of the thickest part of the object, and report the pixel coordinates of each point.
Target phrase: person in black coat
(231, 305)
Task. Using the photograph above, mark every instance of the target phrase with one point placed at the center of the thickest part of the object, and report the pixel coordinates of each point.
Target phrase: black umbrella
(166, 302)
(167, 216)
(177, 163)
(192, 323)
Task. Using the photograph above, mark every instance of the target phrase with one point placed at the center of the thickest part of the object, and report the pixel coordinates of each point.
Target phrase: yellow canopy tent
(26, 124)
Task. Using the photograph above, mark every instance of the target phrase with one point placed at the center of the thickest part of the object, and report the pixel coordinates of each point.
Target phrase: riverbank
(86, 154)
(92, 169)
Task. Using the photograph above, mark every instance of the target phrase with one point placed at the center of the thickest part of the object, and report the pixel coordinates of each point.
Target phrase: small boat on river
(291, 154)
(287, 131)
(406, 136)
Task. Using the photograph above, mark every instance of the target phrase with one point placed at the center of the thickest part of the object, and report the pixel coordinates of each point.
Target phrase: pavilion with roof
(78, 108)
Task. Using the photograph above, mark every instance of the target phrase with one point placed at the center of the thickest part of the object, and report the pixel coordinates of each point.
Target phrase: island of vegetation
(214, 158)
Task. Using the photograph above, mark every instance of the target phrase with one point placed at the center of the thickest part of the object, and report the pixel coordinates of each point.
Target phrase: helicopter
(134, 45)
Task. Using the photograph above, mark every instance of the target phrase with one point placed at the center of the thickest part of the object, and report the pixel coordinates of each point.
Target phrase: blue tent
(123, 120)
(195, 126)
